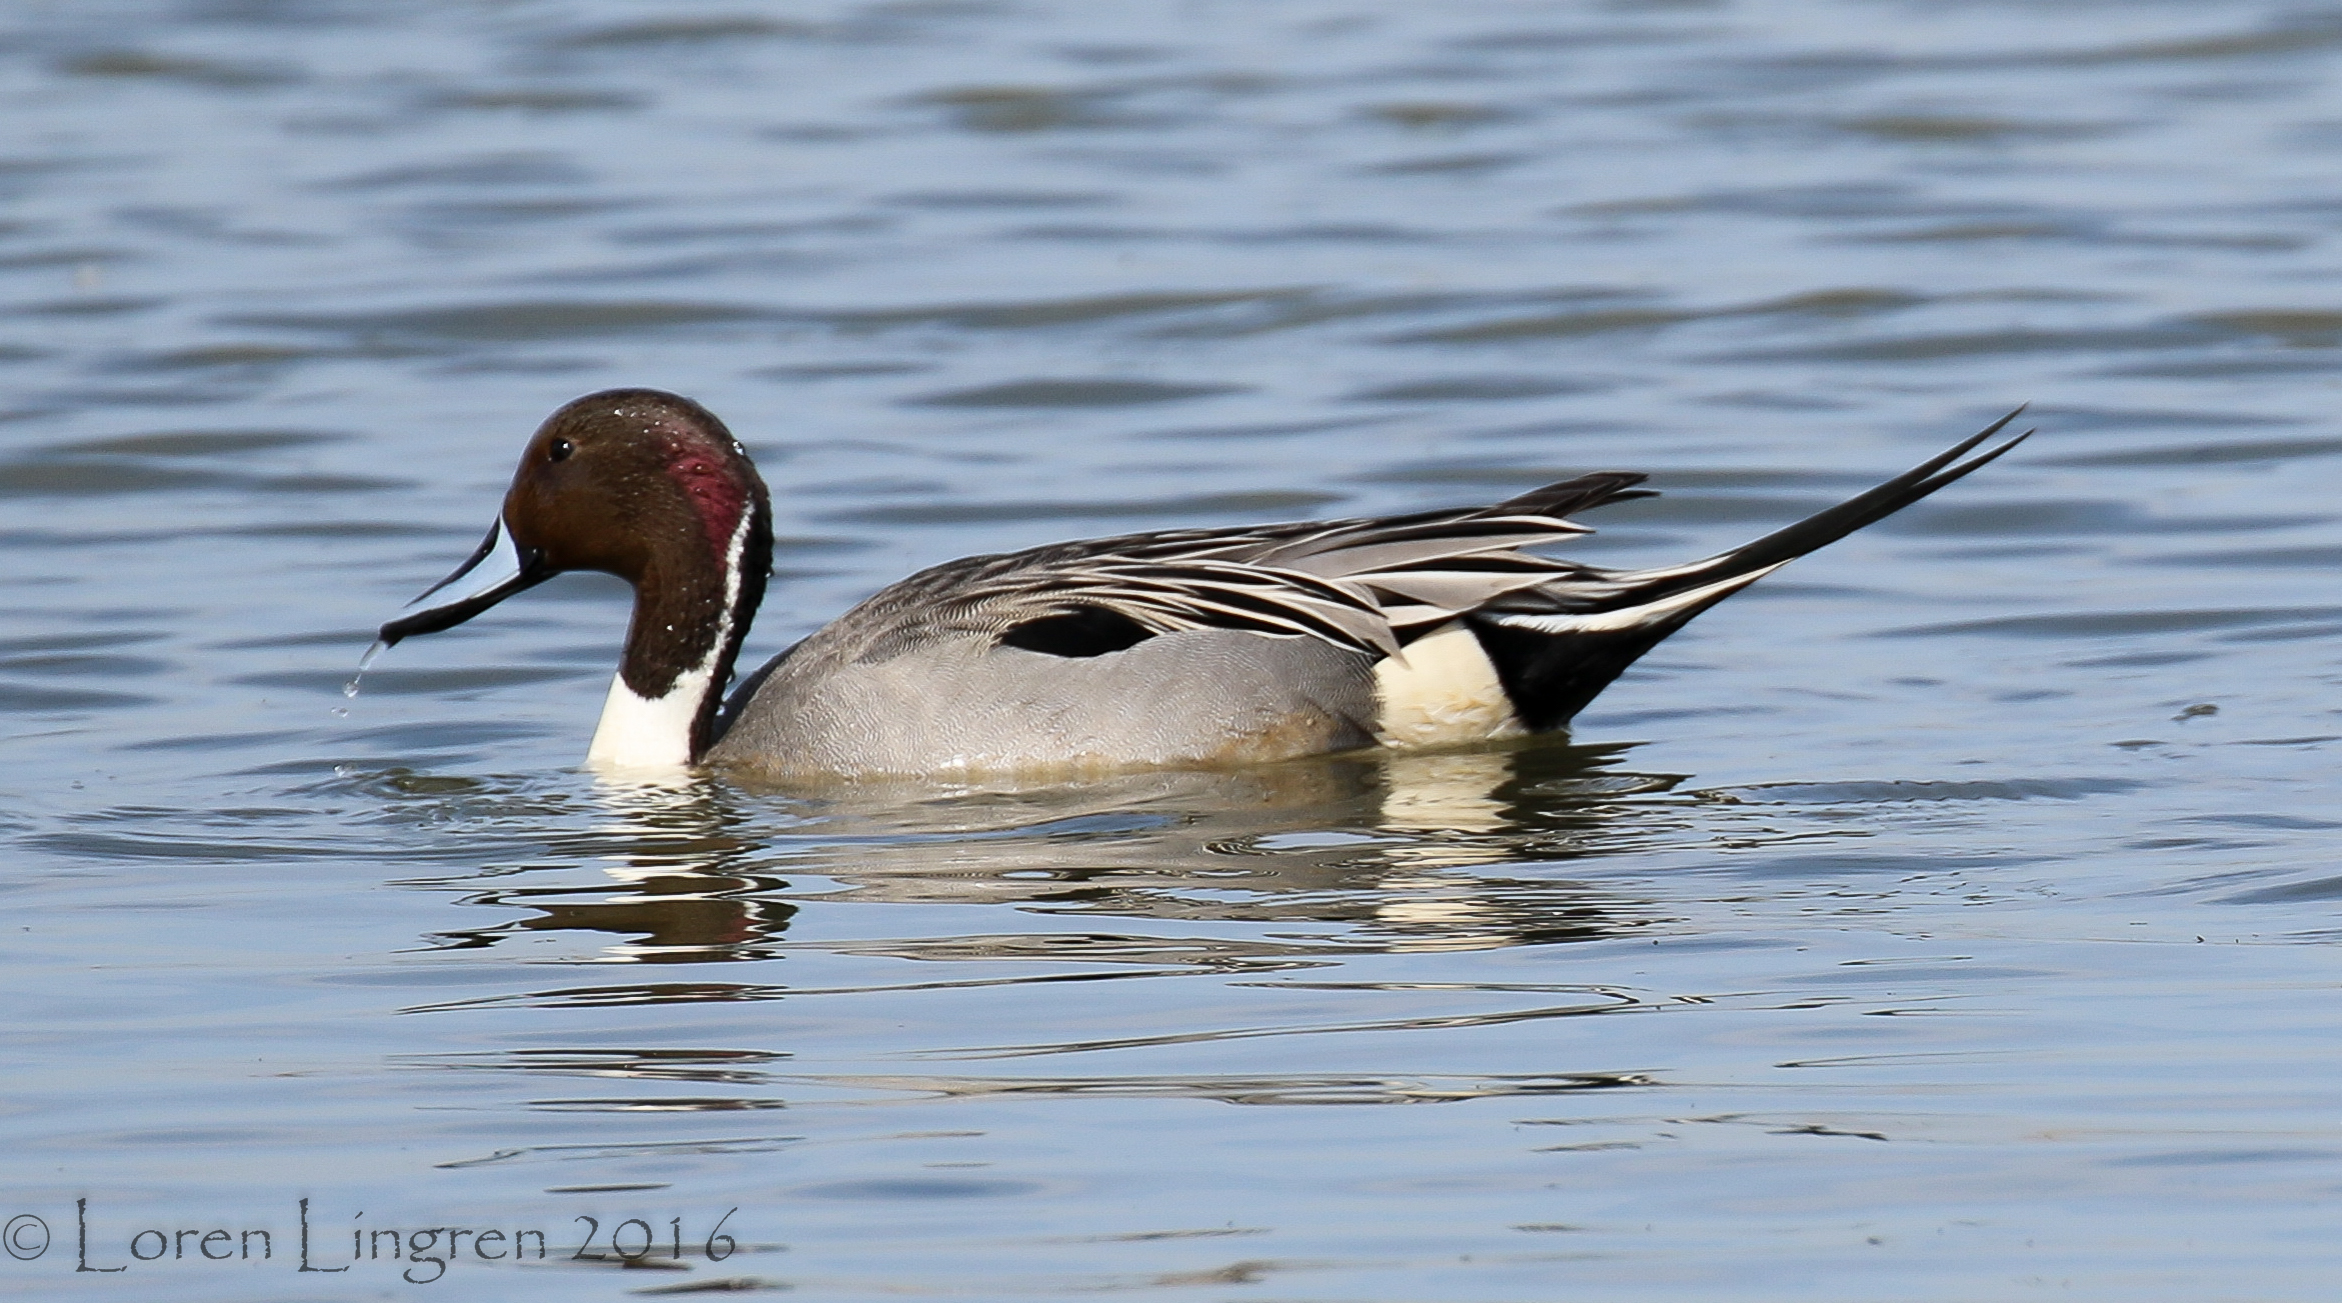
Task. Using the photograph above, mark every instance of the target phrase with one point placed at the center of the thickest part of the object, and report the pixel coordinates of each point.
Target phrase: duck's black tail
(1556, 646)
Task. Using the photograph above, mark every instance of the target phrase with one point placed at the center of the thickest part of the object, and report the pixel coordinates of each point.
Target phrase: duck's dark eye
(558, 450)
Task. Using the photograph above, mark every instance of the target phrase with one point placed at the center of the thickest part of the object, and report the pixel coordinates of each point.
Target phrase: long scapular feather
(1198, 593)
(1364, 585)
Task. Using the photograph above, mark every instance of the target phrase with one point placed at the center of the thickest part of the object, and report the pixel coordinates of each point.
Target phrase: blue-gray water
(1953, 916)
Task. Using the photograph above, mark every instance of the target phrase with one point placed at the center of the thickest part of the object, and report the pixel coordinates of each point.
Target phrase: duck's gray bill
(528, 570)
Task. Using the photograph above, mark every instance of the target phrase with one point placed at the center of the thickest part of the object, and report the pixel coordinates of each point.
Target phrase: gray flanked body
(962, 702)
(1189, 647)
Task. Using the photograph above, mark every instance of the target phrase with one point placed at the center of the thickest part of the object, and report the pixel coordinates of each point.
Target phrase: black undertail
(1550, 677)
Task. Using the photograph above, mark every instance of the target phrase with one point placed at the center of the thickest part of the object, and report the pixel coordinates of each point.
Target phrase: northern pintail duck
(1184, 647)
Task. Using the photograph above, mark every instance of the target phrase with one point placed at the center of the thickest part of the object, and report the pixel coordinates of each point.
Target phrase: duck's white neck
(669, 731)
(639, 732)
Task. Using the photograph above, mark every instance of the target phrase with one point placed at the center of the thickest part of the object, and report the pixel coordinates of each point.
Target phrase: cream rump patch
(1441, 692)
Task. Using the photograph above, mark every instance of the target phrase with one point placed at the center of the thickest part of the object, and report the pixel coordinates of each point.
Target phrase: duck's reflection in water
(1347, 854)
(674, 875)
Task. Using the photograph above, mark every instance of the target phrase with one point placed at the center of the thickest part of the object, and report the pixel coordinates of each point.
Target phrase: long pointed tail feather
(1826, 527)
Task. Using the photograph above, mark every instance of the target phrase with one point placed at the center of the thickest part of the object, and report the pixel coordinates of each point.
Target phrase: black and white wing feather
(1367, 585)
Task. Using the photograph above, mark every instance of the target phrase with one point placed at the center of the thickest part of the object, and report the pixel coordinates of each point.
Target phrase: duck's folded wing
(1173, 595)
(1366, 585)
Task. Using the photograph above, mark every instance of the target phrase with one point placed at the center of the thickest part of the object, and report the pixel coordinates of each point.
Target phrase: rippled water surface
(1953, 916)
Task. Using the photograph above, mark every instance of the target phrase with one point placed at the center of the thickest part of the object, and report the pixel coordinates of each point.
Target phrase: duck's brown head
(650, 487)
(627, 482)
